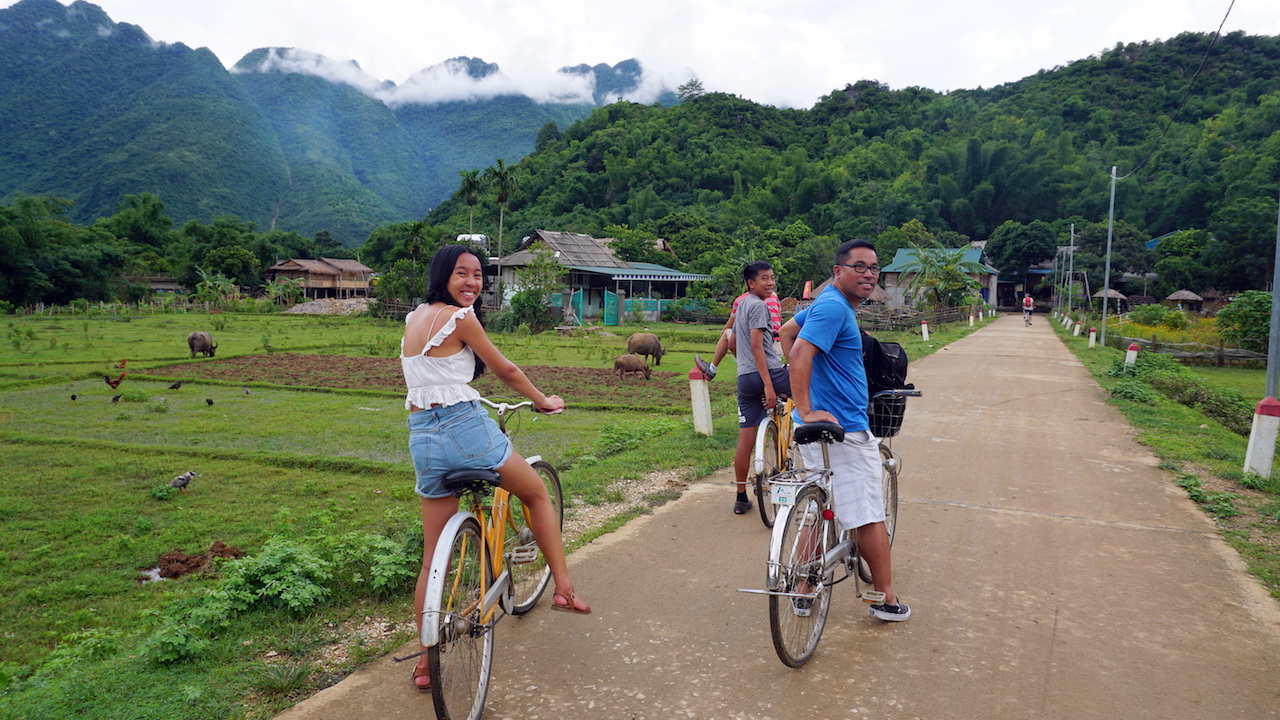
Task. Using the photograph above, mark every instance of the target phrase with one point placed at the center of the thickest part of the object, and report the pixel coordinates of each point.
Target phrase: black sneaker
(705, 367)
(890, 613)
(802, 607)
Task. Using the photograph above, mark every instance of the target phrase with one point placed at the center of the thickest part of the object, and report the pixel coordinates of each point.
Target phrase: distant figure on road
(1027, 307)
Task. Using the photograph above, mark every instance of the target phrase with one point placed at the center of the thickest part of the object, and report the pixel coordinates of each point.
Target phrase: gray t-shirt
(752, 312)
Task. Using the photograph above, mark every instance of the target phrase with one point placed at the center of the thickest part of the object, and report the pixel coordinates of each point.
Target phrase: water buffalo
(630, 363)
(646, 344)
(200, 342)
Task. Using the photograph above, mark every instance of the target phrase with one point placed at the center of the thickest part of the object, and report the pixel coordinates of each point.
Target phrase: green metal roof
(906, 257)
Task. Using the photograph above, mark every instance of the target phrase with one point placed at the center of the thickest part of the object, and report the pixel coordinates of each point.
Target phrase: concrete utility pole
(1273, 346)
(1106, 275)
(1260, 454)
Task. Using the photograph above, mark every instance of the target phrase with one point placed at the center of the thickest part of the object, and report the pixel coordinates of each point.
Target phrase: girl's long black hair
(442, 265)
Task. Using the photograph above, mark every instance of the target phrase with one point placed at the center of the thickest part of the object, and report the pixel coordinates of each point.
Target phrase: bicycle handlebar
(505, 407)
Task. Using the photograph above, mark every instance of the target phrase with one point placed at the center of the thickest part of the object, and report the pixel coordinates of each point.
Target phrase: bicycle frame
(495, 579)
(781, 416)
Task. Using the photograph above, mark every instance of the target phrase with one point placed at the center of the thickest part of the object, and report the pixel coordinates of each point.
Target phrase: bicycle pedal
(524, 554)
(875, 597)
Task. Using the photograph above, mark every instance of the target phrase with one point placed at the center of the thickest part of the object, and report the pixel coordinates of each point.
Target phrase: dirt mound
(176, 563)
(354, 306)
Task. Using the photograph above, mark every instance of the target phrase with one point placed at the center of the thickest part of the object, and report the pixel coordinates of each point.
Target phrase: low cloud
(454, 81)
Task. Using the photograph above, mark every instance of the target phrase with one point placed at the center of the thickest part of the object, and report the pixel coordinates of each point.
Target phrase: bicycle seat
(460, 481)
(827, 432)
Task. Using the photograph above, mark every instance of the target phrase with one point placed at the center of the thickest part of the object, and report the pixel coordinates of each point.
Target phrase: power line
(1203, 61)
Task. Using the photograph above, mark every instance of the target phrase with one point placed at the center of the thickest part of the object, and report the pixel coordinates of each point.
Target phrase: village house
(326, 277)
(597, 279)
(896, 276)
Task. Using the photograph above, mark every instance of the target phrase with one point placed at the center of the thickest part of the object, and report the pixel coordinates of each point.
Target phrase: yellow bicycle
(775, 452)
(486, 564)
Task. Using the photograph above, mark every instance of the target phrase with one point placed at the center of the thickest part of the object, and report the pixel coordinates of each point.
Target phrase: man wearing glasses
(829, 382)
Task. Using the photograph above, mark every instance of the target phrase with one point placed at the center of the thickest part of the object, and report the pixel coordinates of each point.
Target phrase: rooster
(120, 365)
(113, 383)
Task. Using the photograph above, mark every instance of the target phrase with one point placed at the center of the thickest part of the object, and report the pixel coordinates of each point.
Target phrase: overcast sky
(780, 52)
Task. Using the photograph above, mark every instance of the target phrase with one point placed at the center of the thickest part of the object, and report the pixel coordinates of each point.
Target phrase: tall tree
(502, 180)
(470, 189)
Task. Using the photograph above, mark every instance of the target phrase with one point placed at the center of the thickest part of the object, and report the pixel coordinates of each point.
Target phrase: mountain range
(92, 110)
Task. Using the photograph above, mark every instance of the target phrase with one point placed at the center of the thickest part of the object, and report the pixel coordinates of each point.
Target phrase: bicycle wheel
(769, 453)
(796, 623)
(462, 659)
(524, 560)
(889, 484)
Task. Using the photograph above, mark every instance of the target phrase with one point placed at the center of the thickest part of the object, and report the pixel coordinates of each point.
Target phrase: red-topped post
(1262, 439)
(700, 397)
(1131, 355)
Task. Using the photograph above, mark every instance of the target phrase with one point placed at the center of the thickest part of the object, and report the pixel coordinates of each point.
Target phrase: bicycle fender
(435, 580)
(757, 460)
(772, 580)
(533, 459)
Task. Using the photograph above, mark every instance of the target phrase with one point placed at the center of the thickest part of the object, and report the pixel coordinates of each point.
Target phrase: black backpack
(886, 367)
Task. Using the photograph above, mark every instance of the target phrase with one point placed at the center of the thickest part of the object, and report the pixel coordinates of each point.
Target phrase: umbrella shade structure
(1185, 295)
(1113, 294)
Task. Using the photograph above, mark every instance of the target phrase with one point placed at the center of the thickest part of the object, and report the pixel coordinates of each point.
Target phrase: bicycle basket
(885, 415)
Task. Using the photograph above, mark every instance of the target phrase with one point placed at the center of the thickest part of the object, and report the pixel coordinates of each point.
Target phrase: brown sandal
(570, 605)
(422, 672)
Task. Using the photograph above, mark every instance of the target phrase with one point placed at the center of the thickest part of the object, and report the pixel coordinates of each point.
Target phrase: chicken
(209, 402)
(115, 398)
(176, 385)
(182, 481)
(120, 365)
(113, 383)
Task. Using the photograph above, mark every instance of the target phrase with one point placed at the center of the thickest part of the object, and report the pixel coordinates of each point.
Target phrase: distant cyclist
(1027, 306)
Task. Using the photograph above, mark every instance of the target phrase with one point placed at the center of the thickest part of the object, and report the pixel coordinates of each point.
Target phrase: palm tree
(470, 189)
(502, 180)
(413, 243)
(940, 276)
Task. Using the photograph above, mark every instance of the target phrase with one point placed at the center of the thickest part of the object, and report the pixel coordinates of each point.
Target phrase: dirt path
(1053, 570)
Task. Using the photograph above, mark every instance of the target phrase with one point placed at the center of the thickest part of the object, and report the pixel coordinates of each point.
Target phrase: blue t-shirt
(838, 382)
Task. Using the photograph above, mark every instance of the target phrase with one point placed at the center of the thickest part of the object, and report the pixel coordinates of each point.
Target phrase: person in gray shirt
(761, 375)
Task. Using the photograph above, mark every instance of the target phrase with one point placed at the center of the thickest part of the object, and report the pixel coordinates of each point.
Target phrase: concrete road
(1053, 572)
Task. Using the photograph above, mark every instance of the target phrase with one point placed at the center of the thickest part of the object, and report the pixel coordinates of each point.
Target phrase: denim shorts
(454, 437)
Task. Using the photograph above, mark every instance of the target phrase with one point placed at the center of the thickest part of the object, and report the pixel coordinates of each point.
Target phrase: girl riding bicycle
(444, 348)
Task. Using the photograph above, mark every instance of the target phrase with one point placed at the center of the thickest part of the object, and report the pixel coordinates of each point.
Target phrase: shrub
(1150, 314)
(1248, 316)
(1174, 320)
(1135, 390)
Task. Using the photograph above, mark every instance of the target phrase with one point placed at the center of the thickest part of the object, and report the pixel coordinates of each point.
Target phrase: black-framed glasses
(862, 267)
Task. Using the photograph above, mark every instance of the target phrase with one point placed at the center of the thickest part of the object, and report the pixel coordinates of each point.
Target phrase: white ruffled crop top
(439, 380)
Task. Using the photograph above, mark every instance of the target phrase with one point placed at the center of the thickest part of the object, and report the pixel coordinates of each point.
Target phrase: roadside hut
(1187, 300)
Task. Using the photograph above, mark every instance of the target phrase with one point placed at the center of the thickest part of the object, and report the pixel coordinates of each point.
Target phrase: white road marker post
(924, 329)
(1076, 332)
(970, 319)
(1131, 355)
(701, 399)
(1093, 338)
(1262, 438)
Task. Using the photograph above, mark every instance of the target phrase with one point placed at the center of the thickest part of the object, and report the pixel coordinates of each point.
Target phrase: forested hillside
(92, 111)
(722, 177)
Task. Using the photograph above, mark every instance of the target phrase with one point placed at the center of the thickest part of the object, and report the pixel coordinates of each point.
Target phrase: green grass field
(88, 509)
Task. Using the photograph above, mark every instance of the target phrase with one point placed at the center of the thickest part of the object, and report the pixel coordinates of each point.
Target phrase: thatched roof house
(326, 277)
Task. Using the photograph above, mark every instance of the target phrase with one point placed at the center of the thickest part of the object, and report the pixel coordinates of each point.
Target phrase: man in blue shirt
(829, 383)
